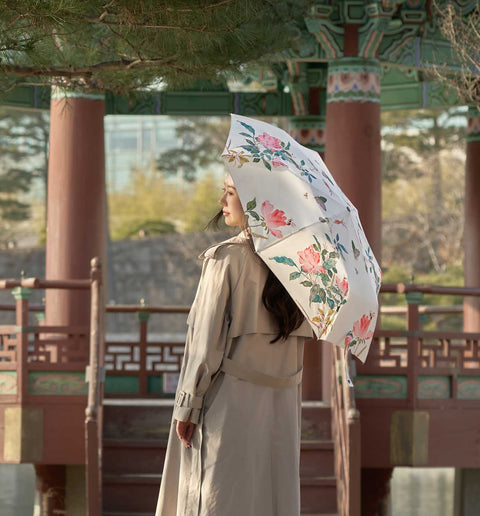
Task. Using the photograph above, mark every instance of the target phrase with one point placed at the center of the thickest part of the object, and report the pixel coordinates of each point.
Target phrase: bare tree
(462, 30)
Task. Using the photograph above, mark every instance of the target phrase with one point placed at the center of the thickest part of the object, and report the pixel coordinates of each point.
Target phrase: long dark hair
(275, 297)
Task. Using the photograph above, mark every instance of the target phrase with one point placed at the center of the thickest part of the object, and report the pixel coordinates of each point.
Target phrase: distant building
(134, 141)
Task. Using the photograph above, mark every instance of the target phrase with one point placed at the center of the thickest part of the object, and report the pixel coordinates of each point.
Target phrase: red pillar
(352, 150)
(310, 132)
(76, 201)
(471, 306)
(468, 478)
(75, 231)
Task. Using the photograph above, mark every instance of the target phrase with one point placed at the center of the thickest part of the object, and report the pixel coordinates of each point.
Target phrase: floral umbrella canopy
(307, 232)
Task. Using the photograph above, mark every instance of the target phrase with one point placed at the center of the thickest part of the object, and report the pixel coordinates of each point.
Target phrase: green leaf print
(325, 279)
(249, 148)
(317, 242)
(295, 275)
(306, 283)
(320, 297)
(329, 264)
(284, 259)
(314, 292)
(251, 205)
(248, 127)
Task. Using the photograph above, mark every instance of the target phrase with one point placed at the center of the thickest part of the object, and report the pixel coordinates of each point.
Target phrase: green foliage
(412, 134)
(151, 205)
(140, 228)
(423, 189)
(13, 210)
(201, 143)
(123, 45)
(203, 204)
(450, 277)
(23, 157)
(149, 201)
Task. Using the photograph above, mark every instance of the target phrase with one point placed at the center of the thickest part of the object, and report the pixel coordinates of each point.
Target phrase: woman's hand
(185, 431)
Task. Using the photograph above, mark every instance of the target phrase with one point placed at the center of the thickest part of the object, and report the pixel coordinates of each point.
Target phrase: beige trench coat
(244, 459)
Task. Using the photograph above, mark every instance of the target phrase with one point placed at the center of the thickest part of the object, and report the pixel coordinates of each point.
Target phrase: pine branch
(205, 8)
(132, 45)
(87, 71)
(142, 25)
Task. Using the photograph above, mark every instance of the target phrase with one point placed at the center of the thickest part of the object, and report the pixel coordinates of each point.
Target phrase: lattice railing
(8, 348)
(58, 345)
(34, 356)
(47, 345)
(162, 357)
(434, 350)
(409, 364)
(143, 367)
(422, 368)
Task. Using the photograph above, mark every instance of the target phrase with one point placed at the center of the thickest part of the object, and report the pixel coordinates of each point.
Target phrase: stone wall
(163, 270)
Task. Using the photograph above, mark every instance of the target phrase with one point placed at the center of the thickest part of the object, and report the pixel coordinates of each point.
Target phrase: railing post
(21, 295)
(355, 462)
(352, 416)
(142, 375)
(413, 329)
(93, 439)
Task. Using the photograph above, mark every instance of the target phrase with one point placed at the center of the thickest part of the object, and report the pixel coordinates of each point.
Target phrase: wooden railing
(30, 352)
(93, 413)
(436, 368)
(141, 359)
(410, 367)
(346, 432)
(422, 369)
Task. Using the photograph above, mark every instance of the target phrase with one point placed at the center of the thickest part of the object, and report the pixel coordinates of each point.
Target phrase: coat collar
(241, 238)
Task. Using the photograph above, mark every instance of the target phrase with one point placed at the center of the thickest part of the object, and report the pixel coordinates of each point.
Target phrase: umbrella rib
(295, 233)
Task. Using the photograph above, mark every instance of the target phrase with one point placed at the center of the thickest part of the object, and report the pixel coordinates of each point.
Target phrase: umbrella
(307, 232)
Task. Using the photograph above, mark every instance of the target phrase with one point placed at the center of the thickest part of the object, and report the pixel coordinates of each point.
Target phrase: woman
(237, 408)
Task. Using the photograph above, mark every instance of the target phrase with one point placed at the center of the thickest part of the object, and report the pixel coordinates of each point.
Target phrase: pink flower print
(348, 339)
(274, 219)
(270, 142)
(342, 286)
(310, 260)
(360, 328)
(277, 162)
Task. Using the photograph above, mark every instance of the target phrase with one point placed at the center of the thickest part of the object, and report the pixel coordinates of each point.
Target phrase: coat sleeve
(207, 335)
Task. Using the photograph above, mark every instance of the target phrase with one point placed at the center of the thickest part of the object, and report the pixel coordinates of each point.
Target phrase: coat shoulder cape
(248, 315)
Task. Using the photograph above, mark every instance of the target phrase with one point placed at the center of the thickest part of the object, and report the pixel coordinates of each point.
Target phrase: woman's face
(232, 207)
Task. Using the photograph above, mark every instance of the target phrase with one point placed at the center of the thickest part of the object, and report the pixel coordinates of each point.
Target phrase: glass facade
(134, 141)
